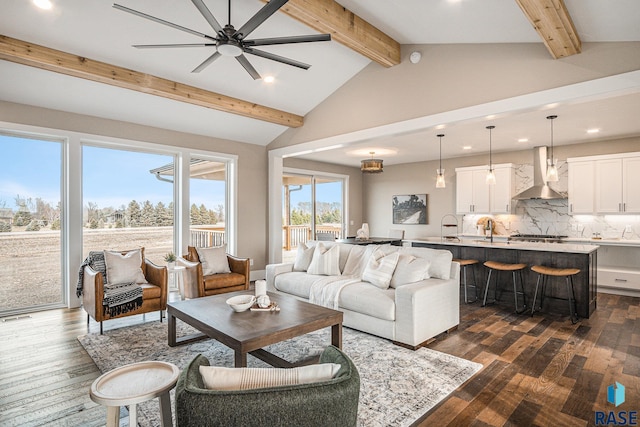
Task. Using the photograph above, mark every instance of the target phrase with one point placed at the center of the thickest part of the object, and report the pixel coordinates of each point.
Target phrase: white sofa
(410, 312)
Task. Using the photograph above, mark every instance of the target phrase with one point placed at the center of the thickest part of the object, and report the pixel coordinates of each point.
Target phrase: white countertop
(500, 242)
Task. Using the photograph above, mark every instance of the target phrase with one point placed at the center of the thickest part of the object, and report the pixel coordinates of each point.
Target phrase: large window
(125, 205)
(207, 208)
(30, 224)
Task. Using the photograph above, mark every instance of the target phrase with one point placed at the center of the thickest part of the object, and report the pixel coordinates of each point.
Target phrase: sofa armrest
(92, 291)
(425, 309)
(240, 266)
(273, 270)
(158, 276)
(190, 277)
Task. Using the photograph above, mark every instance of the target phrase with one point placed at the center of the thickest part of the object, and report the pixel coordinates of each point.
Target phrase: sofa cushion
(379, 269)
(357, 260)
(296, 283)
(303, 257)
(222, 280)
(440, 267)
(366, 299)
(325, 260)
(410, 269)
(221, 378)
(214, 260)
(124, 267)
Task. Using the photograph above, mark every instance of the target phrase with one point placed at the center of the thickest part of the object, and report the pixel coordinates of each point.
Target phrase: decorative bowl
(241, 302)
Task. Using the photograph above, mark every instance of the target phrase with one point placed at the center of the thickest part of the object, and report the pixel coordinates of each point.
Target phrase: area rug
(398, 385)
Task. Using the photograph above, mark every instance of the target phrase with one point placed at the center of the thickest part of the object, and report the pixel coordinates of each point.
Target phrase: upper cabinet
(581, 187)
(604, 184)
(474, 195)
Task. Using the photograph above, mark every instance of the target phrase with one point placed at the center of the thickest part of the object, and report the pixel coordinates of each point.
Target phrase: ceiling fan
(231, 42)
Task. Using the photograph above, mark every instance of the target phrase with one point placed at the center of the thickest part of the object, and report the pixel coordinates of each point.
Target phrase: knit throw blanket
(118, 298)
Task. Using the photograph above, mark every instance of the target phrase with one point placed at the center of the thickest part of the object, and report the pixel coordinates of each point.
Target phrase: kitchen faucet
(490, 225)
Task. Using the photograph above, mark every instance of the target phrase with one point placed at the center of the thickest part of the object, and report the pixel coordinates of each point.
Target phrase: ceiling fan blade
(206, 62)
(247, 66)
(154, 46)
(257, 19)
(287, 40)
(278, 58)
(160, 21)
(208, 16)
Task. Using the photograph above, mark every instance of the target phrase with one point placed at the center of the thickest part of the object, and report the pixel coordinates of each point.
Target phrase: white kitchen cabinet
(474, 195)
(581, 187)
(617, 185)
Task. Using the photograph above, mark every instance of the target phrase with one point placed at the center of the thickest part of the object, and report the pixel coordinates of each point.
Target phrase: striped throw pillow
(379, 269)
(325, 260)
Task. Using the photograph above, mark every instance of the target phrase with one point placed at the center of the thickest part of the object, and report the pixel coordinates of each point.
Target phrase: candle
(261, 287)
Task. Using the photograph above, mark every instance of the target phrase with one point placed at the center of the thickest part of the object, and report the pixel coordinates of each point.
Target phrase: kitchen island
(561, 255)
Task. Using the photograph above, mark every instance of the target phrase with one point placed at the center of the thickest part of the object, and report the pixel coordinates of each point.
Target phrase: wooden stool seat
(513, 268)
(552, 271)
(501, 266)
(464, 263)
(543, 273)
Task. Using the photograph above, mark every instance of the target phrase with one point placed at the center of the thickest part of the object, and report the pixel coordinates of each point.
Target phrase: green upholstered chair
(327, 403)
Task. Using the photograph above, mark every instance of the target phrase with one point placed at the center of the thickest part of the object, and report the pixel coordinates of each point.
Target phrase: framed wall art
(410, 209)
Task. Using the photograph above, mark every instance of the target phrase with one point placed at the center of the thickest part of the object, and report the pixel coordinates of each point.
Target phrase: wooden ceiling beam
(551, 19)
(42, 57)
(345, 27)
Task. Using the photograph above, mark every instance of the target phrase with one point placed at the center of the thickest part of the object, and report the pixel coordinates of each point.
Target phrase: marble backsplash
(552, 216)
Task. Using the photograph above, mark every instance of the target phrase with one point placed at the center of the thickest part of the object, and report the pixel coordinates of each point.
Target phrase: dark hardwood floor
(539, 370)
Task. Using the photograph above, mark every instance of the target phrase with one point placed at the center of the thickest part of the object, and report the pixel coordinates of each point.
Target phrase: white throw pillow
(124, 268)
(214, 260)
(219, 378)
(379, 269)
(409, 270)
(303, 257)
(325, 261)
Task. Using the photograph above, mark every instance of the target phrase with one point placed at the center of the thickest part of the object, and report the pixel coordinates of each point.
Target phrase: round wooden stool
(464, 263)
(567, 273)
(513, 268)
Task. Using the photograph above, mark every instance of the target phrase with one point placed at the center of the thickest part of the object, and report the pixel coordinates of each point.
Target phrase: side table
(177, 272)
(133, 384)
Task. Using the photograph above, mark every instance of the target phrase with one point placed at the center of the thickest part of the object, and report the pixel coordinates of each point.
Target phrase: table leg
(336, 335)
(113, 416)
(171, 335)
(165, 410)
(133, 416)
(240, 359)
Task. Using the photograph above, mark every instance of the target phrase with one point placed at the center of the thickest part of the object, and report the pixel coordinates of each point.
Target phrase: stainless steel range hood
(540, 189)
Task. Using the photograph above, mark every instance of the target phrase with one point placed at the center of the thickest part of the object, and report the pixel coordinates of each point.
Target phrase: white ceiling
(96, 30)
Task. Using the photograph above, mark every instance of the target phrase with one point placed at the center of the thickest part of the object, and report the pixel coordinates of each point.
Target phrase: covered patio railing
(294, 234)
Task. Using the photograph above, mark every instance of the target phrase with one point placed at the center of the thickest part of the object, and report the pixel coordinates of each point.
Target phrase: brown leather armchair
(198, 285)
(154, 293)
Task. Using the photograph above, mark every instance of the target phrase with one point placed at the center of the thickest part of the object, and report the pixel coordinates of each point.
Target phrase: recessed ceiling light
(43, 4)
(523, 140)
(593, 130)
(269, 79)
(491, 117)
(466, 147)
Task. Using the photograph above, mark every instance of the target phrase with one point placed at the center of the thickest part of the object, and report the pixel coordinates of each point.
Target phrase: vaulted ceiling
(78, 56)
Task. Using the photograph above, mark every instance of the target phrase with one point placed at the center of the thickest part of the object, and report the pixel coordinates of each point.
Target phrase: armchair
(326, 403)
(196, 284)
(154, 292)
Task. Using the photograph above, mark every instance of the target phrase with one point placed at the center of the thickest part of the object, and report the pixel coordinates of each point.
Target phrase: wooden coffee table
(250, 331)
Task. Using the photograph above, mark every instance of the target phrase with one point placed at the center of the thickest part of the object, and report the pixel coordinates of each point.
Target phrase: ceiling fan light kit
(230, 42)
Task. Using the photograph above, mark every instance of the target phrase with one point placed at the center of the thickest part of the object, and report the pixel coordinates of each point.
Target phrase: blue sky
(325, 192)
(31, 168)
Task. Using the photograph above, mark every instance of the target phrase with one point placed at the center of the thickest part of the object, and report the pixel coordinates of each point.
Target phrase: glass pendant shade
(552, 170)
(440, 183)
(491, 177)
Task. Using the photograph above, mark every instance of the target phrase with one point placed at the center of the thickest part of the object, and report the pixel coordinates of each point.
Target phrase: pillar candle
(261, 287)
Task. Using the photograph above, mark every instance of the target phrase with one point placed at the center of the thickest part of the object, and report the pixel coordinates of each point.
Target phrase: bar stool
(513, 268)
(464, 263)
(567, 273)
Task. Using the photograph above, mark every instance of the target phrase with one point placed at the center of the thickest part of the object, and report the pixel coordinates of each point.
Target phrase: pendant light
(440, 176)
(371, 165)
(491, 175)
(552, 170)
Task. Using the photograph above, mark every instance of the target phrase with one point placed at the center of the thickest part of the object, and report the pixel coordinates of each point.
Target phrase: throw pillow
(219, 378)
(303, 257)
(214, 260)
(379, 269)
(409, 270)
(325, 260)
(124, 268)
